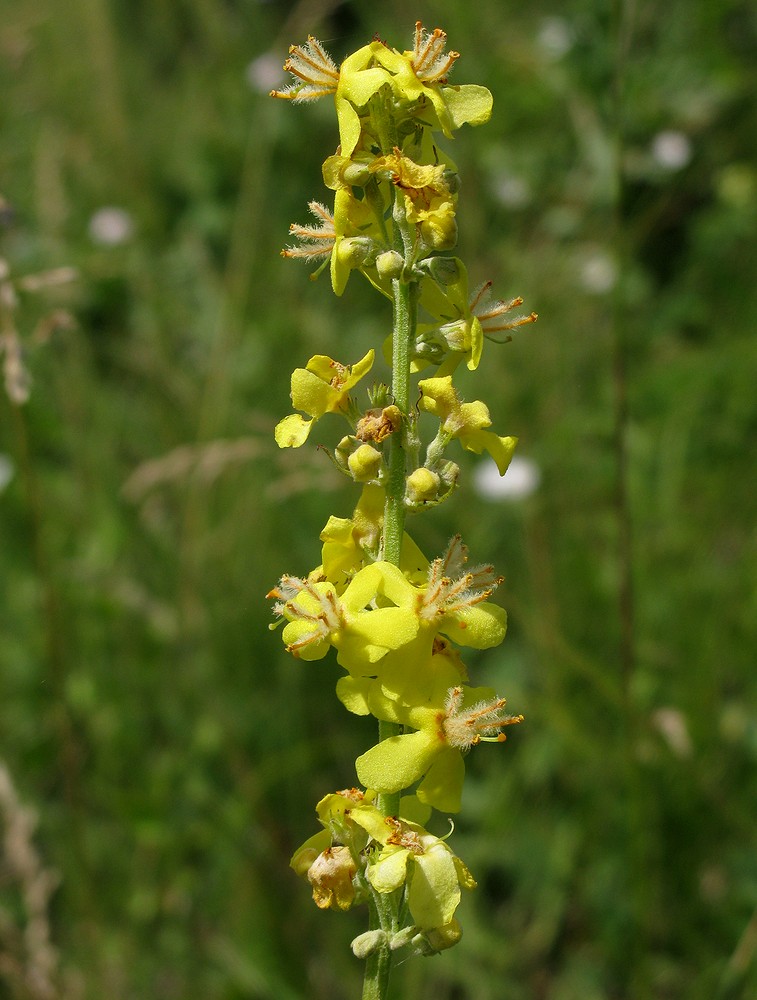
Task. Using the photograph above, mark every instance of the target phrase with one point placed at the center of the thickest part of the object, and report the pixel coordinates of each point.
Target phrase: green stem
(377, 969)
(405, 310)
(405, 313)
(379, 964)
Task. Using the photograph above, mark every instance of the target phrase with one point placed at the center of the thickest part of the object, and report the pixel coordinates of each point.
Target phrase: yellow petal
(469, 104)
(292, 431)
(311, 392)
(442, 786)
(434, 891)
(480, 627)
(396, 763)
(389, 872)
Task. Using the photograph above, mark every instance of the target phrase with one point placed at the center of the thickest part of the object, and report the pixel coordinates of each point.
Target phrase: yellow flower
(417, 79)
(350, 237)
(420, 75)
(429, 202)
(444, 731)
(468, 422)
(412, 856)
(323, 386)
(464, 321)
(374, 614)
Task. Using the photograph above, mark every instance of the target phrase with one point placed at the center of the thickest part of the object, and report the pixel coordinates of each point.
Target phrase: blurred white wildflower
(7, 470)
(265, 73)
(521, 479)
(671, 724)
(510, 190)
(555, 37)
(598, 273)
(111, 226)
(671, 149)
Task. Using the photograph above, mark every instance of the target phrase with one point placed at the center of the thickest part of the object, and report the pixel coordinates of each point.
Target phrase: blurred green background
(171, 750)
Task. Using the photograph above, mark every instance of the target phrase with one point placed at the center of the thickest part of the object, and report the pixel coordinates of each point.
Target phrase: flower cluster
(397, 622)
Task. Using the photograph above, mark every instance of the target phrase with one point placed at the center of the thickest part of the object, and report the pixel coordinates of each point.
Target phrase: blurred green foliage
(172, 750)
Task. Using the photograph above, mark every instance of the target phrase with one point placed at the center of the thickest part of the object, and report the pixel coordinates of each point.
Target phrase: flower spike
(396, 621)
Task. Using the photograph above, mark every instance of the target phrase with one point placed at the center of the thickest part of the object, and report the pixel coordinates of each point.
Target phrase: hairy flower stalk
(396, 620)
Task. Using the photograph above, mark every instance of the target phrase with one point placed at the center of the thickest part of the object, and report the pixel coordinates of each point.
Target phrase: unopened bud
(444, 270)
(364, 463)
(422, 485)
(452, 180)
(354, 251)
(389, 264)
(343, 451)
(429, 942)
(449, 473)
(368, 943)
(356, 174)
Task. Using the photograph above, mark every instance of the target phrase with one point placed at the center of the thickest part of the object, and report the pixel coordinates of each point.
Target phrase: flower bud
(354, 251)
(438, 939)
(403, 938)
(356, 174)
(364, 463)
(429, 350)
(444, 270)
(343, 451)
(422, 485)
(366, 944)
(340, 172)
(449, 474)
(389, 264)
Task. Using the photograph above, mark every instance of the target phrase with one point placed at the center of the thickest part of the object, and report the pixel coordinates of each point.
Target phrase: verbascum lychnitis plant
(396, 620)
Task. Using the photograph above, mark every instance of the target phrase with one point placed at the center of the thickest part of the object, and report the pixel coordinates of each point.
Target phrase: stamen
(322, 611)
(401, 836)
(316, 241)
(481, 722)
(449, 589)
(315, 72)
(429, 61)
(491, 314)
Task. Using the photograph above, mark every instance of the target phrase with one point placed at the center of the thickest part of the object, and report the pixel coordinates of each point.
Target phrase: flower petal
(442, 787)
(390, 871)
(292, 431)
(434, 891)
(468, 103)
(353, 694)
(480, 627)
(396, 763)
